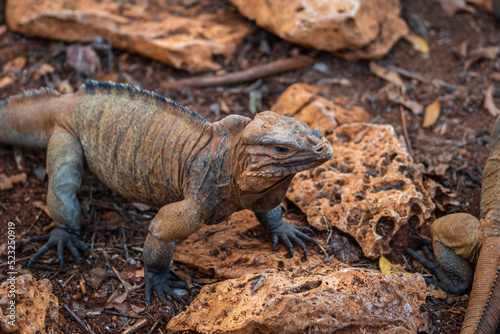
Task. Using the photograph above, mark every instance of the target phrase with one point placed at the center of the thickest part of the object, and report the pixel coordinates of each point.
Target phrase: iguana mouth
(279, 170)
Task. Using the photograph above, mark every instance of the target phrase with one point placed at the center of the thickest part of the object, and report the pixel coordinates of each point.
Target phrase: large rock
(157, 30)
(369, 189)
(318, 107)
(243, 248)
(352, 29)
(345, 301)
(36, 308)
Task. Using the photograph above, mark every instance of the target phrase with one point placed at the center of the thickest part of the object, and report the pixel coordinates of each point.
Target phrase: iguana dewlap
(151, 150)
(459, 240)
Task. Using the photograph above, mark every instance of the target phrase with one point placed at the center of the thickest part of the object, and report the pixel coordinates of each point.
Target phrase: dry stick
(254, 73)
(405, 131)
(78, 319)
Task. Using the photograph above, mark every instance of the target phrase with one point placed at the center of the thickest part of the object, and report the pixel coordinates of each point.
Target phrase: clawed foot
(161, 284)
(455, 285)
(288, 234)
(61, 239)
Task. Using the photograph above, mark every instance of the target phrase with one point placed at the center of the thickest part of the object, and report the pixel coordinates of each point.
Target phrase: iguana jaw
(278, 147)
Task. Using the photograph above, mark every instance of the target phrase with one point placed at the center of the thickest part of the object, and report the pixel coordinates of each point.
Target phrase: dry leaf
(388, 75)
(440, 294)
(418, 43)
(6, 81)
(414, 106)
(453, 6)
(116, 301)
(495, 76)
(113, 220)
(42, 206)
(387, 267)
(7, 182)
(3, 29)
(489, 104)
(83, 59)
(43, 70)
(141, 207)
(136, 309)
(431, 114)
(489, 52)
(14, 66)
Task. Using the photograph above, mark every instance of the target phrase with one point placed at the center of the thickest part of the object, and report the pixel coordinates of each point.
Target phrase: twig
(254, 73)
(122, 314)
(405, 131)
(154, 326)
(80, 322)
(205, 235)
(135, 326)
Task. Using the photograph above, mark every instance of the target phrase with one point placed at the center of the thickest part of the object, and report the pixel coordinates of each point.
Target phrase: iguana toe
(59, 238)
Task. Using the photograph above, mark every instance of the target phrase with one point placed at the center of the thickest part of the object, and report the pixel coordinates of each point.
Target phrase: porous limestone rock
(369, 189)
(346, 301)
(318, 108)
(36, 308)
(177, 35)
(351, 29)
(243, 248)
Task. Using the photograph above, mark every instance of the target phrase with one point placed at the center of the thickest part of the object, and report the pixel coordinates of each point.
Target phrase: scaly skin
(151, 150)
(460, 240)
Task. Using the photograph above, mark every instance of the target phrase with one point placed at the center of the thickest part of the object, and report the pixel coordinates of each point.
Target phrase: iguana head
(277, 147)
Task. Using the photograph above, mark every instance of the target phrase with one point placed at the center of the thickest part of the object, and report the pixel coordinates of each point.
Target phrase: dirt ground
(452, 151)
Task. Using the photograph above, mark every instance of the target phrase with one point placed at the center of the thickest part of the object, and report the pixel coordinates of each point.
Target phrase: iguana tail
(26, 119)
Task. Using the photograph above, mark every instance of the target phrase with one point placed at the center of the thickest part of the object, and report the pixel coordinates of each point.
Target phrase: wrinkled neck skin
(258, 194)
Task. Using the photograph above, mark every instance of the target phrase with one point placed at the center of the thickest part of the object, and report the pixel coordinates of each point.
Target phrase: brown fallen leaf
(495, 76)
(14, 66)
(6, 81)
(405, 101)
(113, 220)
(116, 301)
(431, 114)
(43, 70)
(83, 59)
(42, 206)
(489, 104)
(7, 182)
(451, 7)
(386, 74)
(489, 52)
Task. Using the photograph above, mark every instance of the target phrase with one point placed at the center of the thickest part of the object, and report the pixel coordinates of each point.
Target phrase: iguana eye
(281, 149)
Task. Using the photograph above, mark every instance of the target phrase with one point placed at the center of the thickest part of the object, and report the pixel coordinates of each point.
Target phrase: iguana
(460, 240)
(152, 150)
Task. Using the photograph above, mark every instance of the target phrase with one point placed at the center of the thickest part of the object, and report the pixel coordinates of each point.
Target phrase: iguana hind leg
(65, 161)
(456, 240)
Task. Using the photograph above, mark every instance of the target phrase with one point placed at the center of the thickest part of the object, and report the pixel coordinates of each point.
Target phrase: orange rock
(36, 308)
(309, 104)
(243, 248)
(351, 29)
(346, 301)
(369, 189)
(167, 33)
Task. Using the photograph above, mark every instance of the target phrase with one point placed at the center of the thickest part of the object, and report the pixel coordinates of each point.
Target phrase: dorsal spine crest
(93, 86)
(30, 94)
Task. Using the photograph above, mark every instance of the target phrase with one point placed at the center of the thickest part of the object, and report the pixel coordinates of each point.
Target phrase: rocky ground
(460, 71)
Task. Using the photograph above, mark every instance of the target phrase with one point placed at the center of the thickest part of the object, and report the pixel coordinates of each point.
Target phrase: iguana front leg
(278, 230)
(174, 221)
(65, 169)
